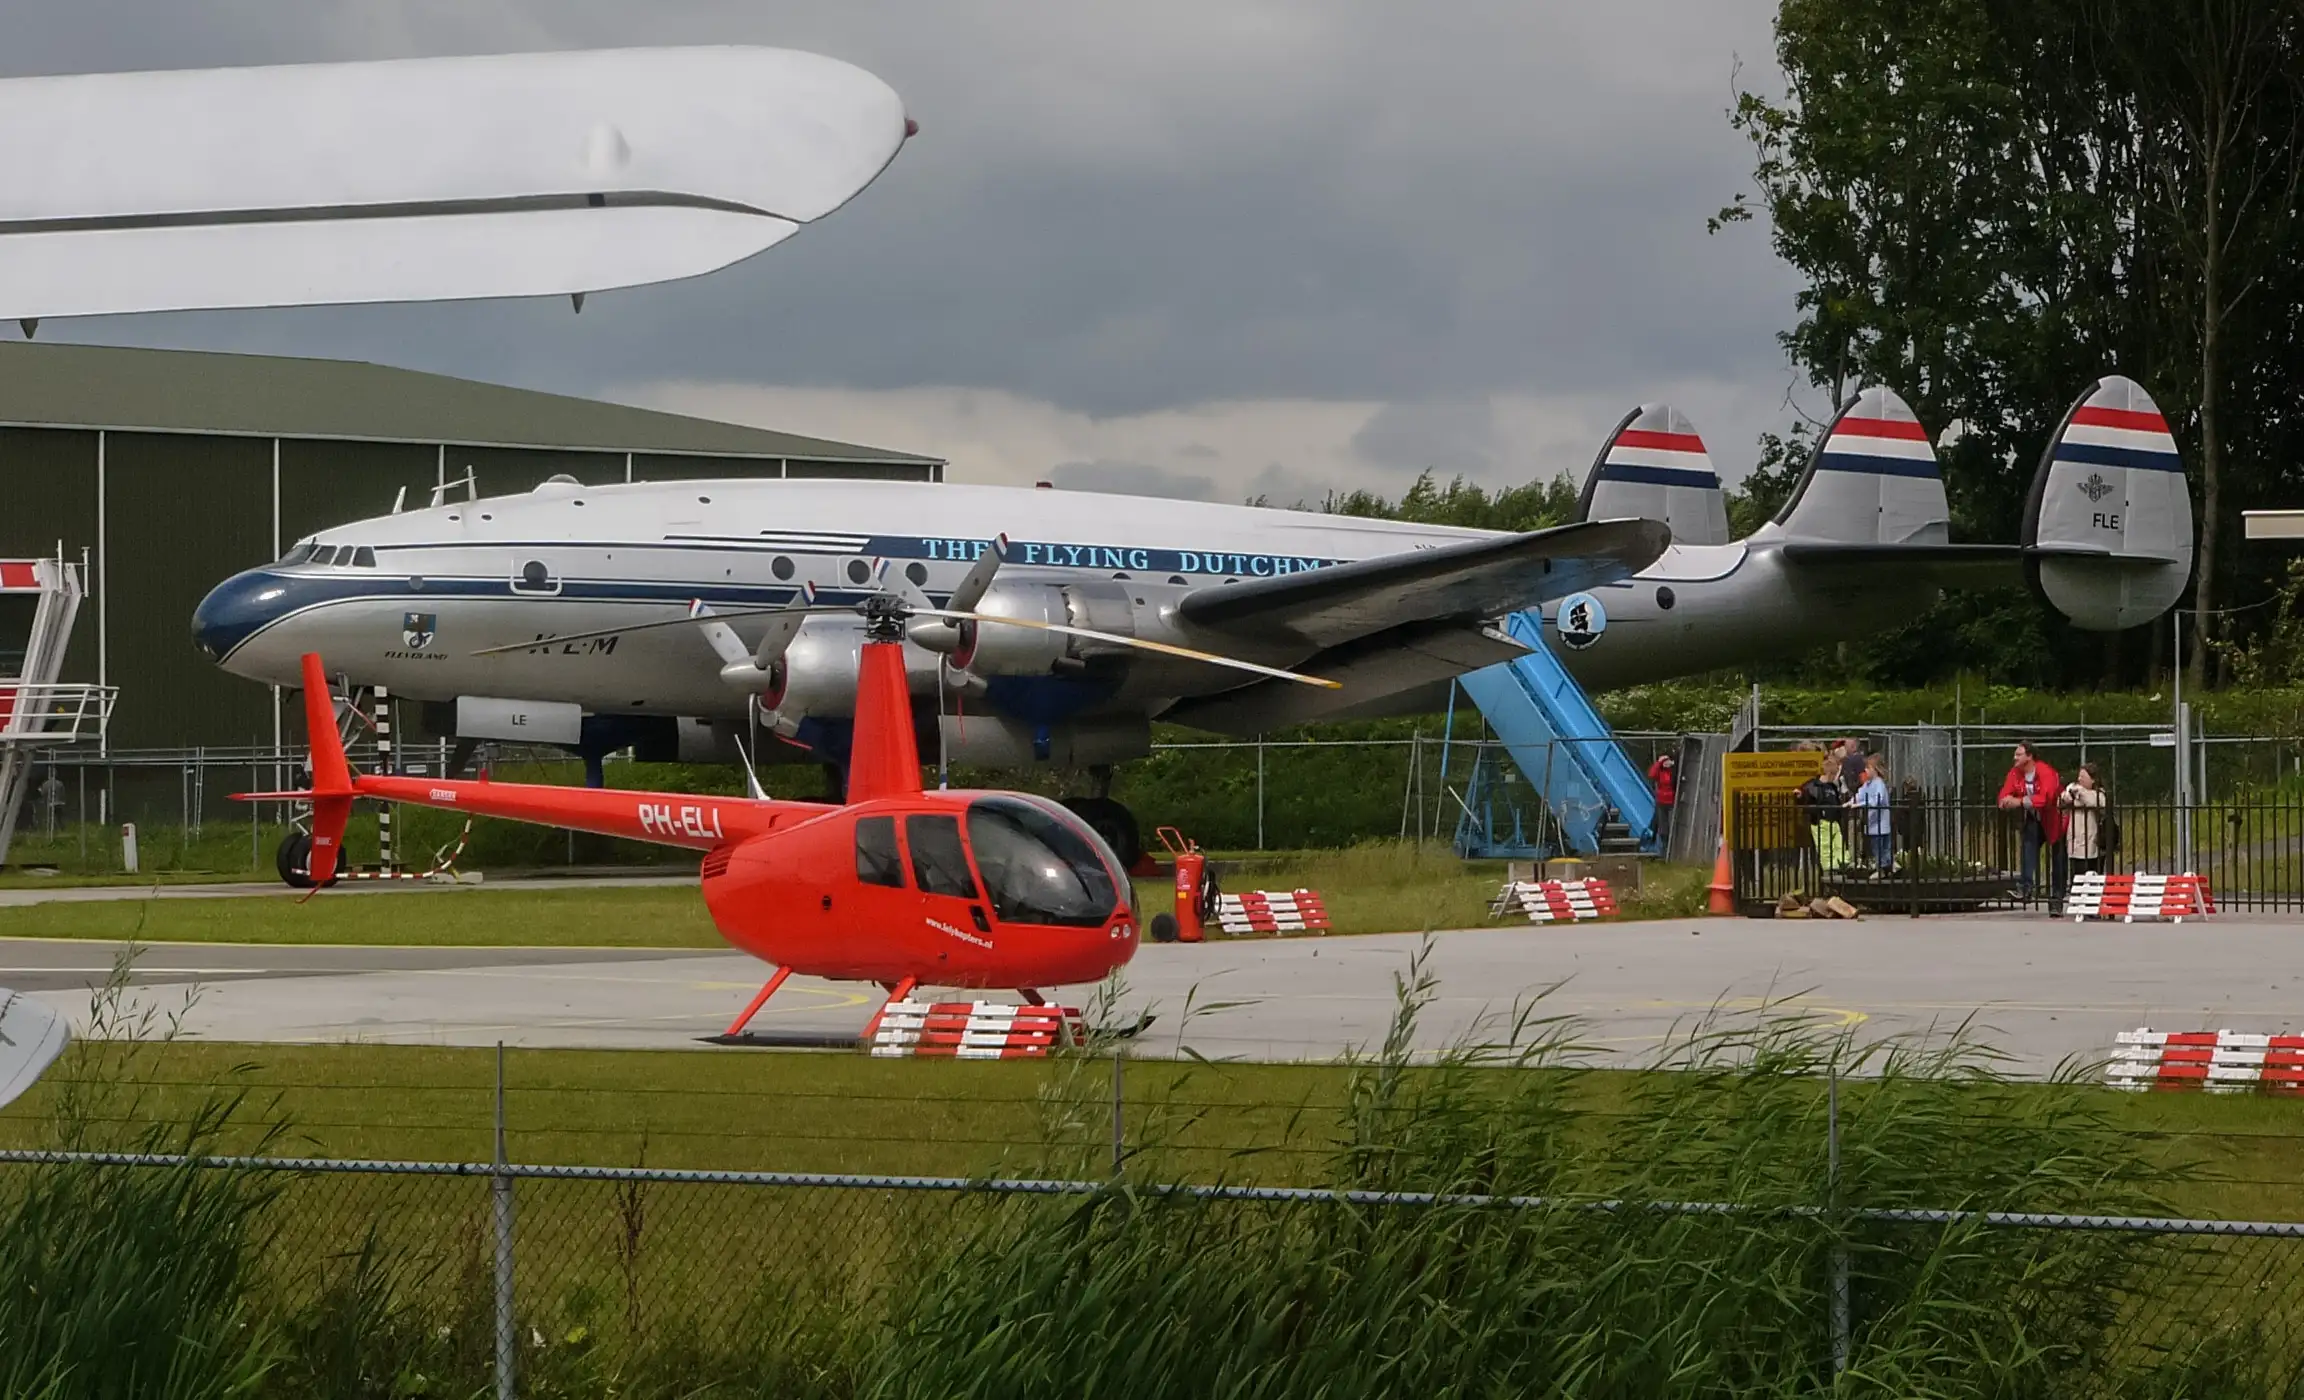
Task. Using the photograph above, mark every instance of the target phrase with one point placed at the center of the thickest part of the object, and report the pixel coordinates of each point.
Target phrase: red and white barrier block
(2139, 896)
(1272, 911)
(2221, 1062)
(976, 1030)
(1554, 901)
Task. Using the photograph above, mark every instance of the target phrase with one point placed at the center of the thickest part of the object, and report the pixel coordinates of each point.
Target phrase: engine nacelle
(996, 741)
(816, 675)
(991, 649)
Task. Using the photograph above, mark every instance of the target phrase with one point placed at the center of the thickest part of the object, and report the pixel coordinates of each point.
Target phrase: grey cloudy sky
(1201, 247)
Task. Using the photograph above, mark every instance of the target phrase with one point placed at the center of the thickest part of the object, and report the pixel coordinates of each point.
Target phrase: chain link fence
(541, 1279)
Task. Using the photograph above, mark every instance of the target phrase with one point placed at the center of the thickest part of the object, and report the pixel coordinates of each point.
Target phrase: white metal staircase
(35, 709)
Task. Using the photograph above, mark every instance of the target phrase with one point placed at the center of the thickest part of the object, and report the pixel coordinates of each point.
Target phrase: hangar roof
(199, 391)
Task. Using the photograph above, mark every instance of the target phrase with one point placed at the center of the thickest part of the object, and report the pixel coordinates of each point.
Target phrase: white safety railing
(58, 713)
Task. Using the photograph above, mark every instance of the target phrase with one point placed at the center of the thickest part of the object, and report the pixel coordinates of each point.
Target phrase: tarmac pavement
(2040, 990)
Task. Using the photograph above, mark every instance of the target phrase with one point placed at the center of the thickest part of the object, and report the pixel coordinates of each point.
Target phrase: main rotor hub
(884, 619)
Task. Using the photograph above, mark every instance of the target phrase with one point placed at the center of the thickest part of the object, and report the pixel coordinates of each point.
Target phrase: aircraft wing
(1464, 581)
(1403, 661)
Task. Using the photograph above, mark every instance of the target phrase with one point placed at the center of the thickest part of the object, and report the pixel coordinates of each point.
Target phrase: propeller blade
(1140, 643)
(978, 580)
(783, 626)
(725, 643)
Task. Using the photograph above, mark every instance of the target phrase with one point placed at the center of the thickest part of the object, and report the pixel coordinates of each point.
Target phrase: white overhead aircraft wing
(422, 179)
(32, 1035)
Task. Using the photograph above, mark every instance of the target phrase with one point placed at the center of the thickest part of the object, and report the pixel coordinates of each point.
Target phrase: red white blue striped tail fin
(1654, 467)
(1873, 479)
(2108, 526)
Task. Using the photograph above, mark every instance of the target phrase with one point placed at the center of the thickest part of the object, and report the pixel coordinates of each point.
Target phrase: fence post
(1119, 1131)
(500, 1189)
(1833, 1218)
(1259, 792)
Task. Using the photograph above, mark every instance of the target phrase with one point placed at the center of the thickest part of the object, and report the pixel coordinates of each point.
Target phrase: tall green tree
(1536, 505)
(1994, 201)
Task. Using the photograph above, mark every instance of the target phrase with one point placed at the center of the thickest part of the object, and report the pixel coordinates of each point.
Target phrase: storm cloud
(1224, 241)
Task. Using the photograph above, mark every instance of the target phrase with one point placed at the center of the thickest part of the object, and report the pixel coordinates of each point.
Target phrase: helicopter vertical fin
(331, 774)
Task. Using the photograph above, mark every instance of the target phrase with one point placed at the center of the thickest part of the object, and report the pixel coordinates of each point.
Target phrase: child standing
(1872, 799)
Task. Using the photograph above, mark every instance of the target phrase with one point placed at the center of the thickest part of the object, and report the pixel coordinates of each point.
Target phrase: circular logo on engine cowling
(1580, 620)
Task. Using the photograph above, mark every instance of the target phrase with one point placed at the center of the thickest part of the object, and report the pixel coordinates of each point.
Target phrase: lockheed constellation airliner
(670, 615)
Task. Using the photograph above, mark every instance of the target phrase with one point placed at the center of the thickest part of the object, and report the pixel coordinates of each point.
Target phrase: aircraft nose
(235, 610)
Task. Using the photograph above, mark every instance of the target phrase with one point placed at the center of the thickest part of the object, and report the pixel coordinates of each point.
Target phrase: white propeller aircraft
(678, 616)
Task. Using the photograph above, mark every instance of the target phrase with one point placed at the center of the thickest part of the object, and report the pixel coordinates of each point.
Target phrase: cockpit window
(325, 554)
(1037, 869)
(364, 557)
(939, 866)
(298, 555)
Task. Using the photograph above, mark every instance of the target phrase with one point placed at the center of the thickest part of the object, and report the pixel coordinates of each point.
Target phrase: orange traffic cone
(1723, 884)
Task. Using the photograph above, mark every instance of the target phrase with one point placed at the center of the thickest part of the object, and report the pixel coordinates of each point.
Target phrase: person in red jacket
(2031, 789)
(1663, 776)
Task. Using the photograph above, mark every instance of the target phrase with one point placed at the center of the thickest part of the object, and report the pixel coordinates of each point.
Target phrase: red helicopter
(898, 886)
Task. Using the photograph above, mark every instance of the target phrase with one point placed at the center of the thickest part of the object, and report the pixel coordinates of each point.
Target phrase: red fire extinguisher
(1195, 886)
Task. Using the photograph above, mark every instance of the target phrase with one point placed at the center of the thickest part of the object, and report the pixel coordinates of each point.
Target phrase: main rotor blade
(683, 621)
(1140, 643)
(978, 579)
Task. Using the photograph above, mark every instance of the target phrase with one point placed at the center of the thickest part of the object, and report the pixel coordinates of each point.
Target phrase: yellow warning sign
(1779, 774)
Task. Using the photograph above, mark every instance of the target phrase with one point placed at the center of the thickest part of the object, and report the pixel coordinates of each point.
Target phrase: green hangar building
(169, 471)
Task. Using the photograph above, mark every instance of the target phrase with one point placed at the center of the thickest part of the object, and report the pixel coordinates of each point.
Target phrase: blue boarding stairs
(1557, 782)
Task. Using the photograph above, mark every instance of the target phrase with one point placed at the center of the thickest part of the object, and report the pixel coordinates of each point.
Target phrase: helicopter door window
(1036, 869)
(939, 865)
(877, 861)
(535, 577)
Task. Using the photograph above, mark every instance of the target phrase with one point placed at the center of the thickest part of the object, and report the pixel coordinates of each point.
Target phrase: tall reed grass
(132, 1283)
(1610, 1290)
(177, 1283)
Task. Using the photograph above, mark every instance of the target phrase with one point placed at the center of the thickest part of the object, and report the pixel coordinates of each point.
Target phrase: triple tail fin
(1873, 479)
(331, 774)
(2108, 526)
(1654, 467)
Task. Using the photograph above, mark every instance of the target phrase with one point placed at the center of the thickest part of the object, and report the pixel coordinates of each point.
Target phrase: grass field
(645, 917)
(1370, 889)
(2242, 1157)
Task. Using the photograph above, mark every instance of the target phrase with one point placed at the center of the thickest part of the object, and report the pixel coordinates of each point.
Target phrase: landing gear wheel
(294, 861)
(1115, 823)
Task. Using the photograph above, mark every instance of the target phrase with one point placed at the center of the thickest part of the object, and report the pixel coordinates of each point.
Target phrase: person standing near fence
(2030, 791)
(1819, 800)
(1871, 800)
(2084, 801)
(1663, 777)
